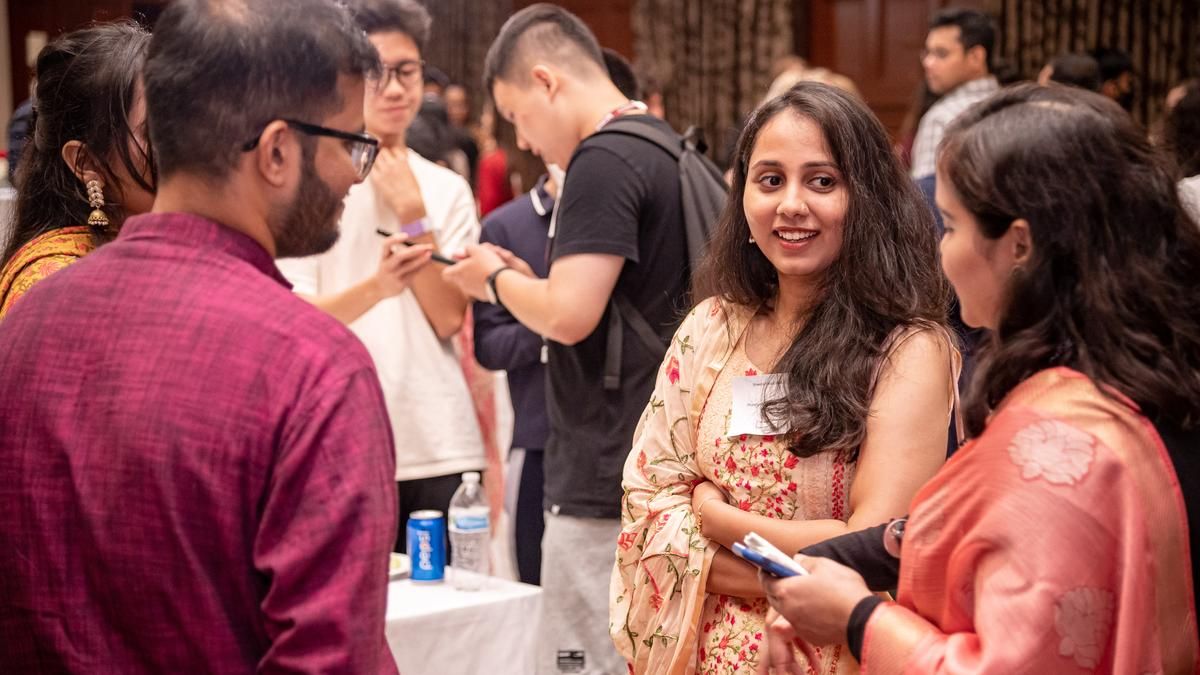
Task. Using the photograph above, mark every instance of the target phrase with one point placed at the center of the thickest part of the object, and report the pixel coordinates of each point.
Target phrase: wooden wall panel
(876, 43)
(610, 20)
(54, 17)
(1162, 37)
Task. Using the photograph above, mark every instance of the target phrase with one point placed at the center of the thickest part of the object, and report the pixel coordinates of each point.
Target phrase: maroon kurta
(196, 468)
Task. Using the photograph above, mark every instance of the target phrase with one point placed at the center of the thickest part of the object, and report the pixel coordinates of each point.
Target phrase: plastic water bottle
(469, 534)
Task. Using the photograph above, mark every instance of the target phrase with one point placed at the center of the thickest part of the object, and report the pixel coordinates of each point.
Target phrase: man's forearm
(443, 304)
(530, 301)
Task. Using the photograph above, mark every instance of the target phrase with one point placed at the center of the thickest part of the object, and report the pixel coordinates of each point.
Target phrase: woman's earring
(96, 200)
(751, 239)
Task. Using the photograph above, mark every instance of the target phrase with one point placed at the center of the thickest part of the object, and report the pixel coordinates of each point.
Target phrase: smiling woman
(823, 290)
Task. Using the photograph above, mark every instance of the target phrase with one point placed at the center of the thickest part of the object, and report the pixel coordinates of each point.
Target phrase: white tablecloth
(436, 630)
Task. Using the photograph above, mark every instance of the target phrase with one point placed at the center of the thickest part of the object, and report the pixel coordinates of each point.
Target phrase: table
(436, 630)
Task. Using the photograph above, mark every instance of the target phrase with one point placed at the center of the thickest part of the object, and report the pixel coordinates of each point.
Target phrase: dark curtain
(1162, 37)
(712, 58)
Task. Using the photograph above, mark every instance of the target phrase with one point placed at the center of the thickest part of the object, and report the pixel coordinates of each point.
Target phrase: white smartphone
(761, 553)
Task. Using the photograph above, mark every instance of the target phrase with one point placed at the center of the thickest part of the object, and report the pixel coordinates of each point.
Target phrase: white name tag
(749, 395)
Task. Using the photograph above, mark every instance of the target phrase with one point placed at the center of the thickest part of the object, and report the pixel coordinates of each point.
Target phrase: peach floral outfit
(661, 618)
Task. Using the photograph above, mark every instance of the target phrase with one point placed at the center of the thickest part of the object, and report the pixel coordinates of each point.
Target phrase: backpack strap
(629, 126)
(700, 203)
(621, 311)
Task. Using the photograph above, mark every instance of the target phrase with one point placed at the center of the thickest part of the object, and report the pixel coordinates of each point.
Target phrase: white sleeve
(303, 273)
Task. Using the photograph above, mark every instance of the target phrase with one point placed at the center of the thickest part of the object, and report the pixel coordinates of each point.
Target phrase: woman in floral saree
(87, 165)
(824, 296)
(1058, 539)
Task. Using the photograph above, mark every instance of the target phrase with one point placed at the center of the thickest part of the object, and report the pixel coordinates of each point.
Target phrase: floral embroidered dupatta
(42, 256)
(1055, 542)
(658, 582)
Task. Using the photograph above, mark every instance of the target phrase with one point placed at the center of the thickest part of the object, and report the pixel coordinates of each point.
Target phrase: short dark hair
(1076, 70)
(621, 73)
(976, 29)
(403, 16)
(86, 81)
(1181, 132)
(1113, 62)
(546, 28)
(218, 72)
(1109, 289)
(435, 75)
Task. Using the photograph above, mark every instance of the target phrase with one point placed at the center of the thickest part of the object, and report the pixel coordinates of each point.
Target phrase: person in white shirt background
(958, 67)
(406, 323)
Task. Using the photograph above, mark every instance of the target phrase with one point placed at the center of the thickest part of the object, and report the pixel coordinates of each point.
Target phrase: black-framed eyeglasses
(408, 73)
(363, 148)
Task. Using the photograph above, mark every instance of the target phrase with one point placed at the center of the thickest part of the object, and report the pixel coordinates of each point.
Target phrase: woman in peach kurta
(695, 480)
(1058, 540)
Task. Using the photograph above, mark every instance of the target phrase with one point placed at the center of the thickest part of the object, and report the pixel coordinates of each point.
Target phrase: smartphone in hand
(759, 552)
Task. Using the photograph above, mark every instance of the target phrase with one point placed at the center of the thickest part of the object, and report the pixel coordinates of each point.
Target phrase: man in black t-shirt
(618, 231)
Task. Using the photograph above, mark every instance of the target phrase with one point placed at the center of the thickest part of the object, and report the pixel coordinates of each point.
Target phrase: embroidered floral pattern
(762, 477)
(672, 370)
(660, 554)
(1053, 451)
(1083, 619)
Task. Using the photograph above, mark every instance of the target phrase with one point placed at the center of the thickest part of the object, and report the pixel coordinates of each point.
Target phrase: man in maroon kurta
(196, 468)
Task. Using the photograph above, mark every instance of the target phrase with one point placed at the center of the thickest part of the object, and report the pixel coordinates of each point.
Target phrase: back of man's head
(219, 71)
(542, 33)
(1076, 70)
(1113, 62)
(975, 29)
(386, 16)
(621, 73)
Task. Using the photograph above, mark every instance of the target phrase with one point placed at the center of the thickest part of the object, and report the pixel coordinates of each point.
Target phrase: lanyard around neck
(621, 110)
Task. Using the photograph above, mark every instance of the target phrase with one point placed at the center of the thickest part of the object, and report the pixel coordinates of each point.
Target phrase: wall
(1161, 36)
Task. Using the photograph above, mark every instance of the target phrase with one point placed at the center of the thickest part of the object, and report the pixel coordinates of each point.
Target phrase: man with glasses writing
(958, 67)
(196, 466)
(406, 326)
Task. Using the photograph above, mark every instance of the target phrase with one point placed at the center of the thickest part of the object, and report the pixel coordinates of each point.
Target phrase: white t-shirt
(433, 418)
(1189, 194)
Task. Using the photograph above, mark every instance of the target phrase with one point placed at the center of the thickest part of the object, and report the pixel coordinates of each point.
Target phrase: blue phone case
(769, 566)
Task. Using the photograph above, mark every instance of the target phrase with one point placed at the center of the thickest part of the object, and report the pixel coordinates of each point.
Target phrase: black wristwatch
(491, 286)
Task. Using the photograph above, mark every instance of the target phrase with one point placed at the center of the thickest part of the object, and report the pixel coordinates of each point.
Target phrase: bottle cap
(471, 477)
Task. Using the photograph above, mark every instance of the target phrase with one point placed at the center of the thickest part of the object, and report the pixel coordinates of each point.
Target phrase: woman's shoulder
(918, 346)
(1062, 414)
(710, 329)
(43, 255)
(921, 337)
(74, 241)
(717, 314)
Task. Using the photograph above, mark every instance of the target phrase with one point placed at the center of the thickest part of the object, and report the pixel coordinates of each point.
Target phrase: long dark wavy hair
(1110, 289)
(885, 276)
(86, 81)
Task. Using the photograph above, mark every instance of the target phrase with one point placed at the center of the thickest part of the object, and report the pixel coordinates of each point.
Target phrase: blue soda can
(426, 532)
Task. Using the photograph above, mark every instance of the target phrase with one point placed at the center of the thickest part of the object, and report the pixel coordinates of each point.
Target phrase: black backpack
(703, 192)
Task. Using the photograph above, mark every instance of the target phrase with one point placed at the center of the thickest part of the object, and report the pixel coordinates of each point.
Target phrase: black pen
(437, 257)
